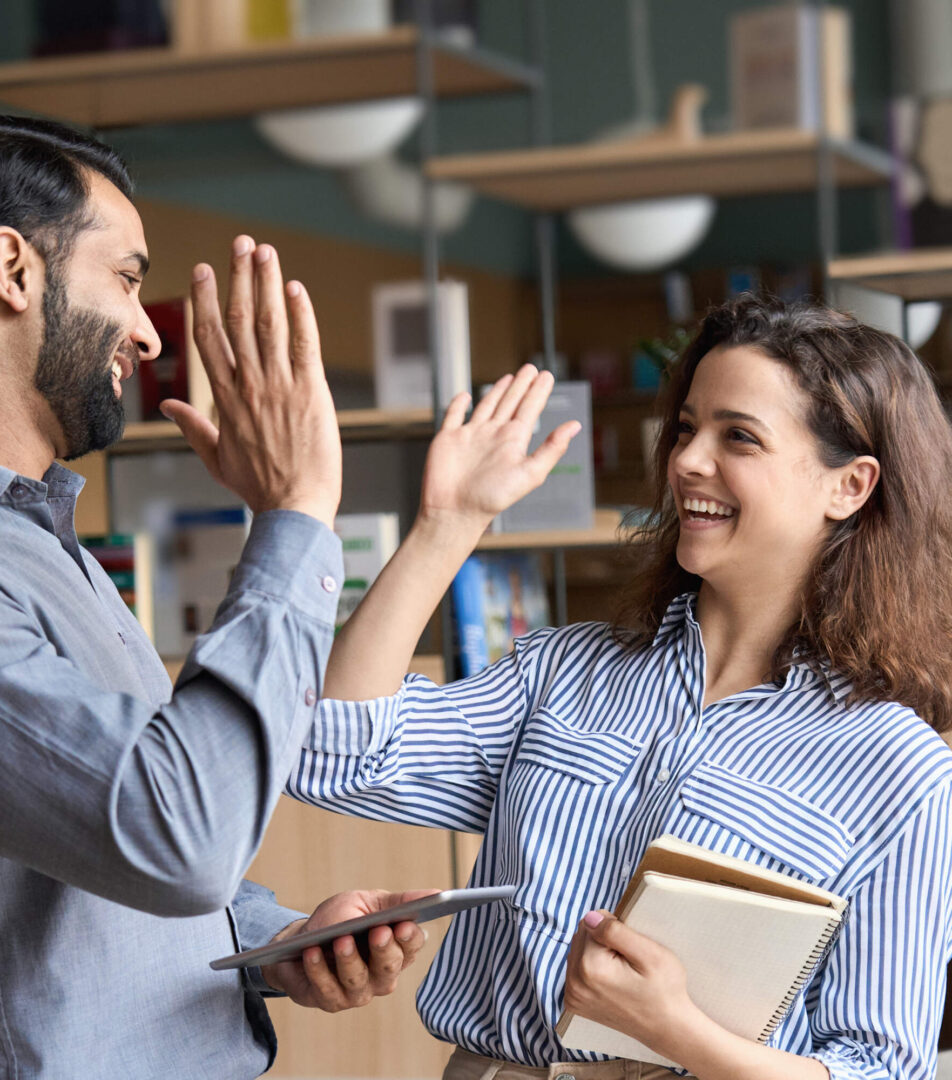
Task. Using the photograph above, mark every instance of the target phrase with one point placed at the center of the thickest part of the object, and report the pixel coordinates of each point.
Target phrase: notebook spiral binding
(809, 969)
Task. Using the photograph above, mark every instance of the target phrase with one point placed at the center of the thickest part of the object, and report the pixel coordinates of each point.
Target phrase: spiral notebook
(749, 938)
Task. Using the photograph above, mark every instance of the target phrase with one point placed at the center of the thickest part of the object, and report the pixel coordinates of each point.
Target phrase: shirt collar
(682, 614)
(57, 482)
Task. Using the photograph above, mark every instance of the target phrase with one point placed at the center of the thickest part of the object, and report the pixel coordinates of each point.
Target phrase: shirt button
(328, 583)
(310, 696)
(565, 1076)
(19, 490)
(663, 775)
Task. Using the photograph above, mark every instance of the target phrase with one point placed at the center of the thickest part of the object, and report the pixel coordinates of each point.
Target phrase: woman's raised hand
(478, 467)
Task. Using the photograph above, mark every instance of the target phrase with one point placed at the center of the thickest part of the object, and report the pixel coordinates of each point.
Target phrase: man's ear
(854, 486)
(19, 269)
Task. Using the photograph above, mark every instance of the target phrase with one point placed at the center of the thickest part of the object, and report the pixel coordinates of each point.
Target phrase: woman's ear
(18, 269)
(854, 486)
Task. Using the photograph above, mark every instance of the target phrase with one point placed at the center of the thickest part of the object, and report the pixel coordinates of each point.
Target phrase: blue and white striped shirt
(571, 755)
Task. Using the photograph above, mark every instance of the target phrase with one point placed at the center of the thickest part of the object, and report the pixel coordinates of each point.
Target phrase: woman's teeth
(704, 506)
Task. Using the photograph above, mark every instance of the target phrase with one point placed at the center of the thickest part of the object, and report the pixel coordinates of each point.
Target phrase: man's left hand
(341, 977)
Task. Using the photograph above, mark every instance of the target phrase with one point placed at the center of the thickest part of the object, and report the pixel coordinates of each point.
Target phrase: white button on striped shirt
(557, 754)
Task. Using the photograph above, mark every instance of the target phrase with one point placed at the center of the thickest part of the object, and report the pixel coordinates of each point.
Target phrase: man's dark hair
(43, 183)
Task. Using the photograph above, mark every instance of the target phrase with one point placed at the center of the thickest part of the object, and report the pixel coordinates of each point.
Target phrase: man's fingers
(386, 960)
(352, 973)
(200, 433)
(271, 317)
(304, 346)
(213, 346)
(325, 990)
(240, 307)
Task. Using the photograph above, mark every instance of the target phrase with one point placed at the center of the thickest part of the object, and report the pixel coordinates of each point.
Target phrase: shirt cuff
(293, 557)
(258, 918)
(353, 728)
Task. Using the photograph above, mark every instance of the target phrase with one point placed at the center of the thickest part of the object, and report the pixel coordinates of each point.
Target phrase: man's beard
(74, 371)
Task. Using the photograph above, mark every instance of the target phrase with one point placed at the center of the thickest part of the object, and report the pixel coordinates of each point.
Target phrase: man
(124, 803)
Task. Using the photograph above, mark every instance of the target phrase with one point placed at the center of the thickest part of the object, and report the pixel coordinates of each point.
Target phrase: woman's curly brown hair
(878, 605)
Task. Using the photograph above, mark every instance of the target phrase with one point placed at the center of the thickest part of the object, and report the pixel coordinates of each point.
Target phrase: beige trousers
(466, 1066)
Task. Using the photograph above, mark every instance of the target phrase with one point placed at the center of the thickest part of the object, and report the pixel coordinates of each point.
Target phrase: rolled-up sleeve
(428, 755)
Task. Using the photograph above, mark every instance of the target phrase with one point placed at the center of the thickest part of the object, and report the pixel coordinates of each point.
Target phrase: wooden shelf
(925, 274)
(148, 86)
(604, 533)
(734, 164)
(354, 424)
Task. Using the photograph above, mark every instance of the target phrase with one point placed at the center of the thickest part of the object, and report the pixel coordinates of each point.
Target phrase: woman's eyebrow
(731, 414)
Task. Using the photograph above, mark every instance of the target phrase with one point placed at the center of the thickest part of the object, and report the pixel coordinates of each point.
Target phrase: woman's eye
(684, 428)
(742, 436)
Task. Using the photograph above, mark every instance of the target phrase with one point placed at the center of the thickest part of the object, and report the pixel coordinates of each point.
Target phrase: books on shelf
(177, 372)
(566, 500)
(750, 940)
(368, 542)
(199, 554)
(403, 374)
(496, 596)
(791, 66)
(128, 560)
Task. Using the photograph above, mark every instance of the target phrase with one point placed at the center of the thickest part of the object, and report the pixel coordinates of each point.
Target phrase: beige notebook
(749, 939)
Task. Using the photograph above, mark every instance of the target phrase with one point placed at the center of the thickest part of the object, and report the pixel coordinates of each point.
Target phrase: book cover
(177, 372)
(199, 555)
(749, 938)
(496, 597)
(791, 66)
(128, 560)
(368, 542)
(566, 499)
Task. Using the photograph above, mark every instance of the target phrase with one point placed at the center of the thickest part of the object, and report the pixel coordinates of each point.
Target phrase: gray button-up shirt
(129, 813)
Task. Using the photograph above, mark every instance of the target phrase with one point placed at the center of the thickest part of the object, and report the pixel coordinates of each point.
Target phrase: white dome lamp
(391, 191)
(648, 234)
(338, 136)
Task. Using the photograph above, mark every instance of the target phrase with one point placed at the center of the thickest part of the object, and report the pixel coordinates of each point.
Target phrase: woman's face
(751, 492)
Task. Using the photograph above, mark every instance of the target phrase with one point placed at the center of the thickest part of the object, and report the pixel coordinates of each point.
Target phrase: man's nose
(145, 337)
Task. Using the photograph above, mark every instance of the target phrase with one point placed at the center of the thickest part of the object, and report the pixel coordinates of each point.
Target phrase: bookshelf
(923, 274)
(735, 164)
(355, 424)
(149, 86)
(603, 533)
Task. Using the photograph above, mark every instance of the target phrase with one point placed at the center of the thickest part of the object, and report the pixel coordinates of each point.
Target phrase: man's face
(95, 330)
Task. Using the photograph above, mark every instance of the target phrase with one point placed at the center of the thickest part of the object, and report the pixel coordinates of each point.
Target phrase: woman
(769, 694)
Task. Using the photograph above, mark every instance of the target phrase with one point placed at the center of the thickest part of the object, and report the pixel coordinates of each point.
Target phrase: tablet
(427, 907)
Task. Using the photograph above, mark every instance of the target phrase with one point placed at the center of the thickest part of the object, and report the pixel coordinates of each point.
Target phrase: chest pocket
(780, 823)
(596, 757)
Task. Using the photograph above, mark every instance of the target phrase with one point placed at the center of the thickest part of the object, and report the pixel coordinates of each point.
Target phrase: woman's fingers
(512, 396)
(455, 412)
(487, 403)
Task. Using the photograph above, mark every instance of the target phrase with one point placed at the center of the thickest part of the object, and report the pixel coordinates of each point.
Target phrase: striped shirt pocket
(782, 824)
